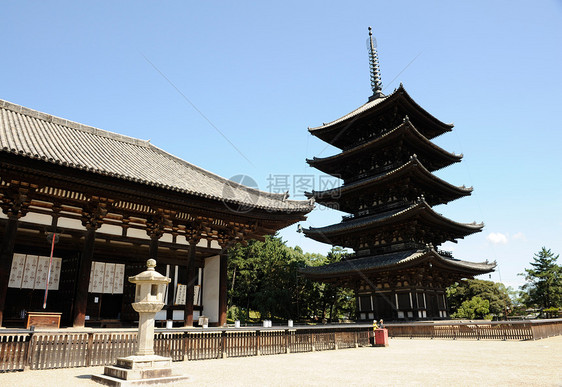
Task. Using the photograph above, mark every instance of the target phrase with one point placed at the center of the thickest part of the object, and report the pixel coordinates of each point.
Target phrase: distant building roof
(35, 135)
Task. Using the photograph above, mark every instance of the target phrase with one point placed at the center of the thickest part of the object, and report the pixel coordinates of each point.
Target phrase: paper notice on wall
(97, 280)
(197, 295)
(42, 272)
(54, 280)
(16, 272)
(91, 284)
(118, 280)
(108, 278)
(28, 280)
(181, 294)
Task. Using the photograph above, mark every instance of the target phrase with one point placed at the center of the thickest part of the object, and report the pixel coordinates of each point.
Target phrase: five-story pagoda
(389, 189)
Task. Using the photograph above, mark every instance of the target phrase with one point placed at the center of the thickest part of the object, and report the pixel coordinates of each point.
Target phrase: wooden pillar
(6, 255)
(83, 280)
(223, 279)
(16, 201)
(191, 279)
(92, 217)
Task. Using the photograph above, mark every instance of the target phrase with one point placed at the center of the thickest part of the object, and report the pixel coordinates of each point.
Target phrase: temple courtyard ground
(419, 362)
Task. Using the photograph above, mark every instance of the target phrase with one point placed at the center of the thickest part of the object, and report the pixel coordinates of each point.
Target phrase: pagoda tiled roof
(374, 221)
(400, 92)
(35, 135)
(414, 167)
(357, 267)
(404, 129)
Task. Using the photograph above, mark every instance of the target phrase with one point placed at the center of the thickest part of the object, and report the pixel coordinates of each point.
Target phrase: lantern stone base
(138, 371)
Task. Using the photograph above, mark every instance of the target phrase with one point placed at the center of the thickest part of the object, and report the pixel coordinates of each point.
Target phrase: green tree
(475, 308)
(494, 292)
(544, 281)
(264, 277)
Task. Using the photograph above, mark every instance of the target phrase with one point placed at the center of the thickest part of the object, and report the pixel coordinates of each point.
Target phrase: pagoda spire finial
(376, 82)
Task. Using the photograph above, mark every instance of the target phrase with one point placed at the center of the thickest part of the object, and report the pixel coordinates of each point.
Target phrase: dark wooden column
(223, 279)
(191, 279)
(92, 217)
(15, 206)
(6, 256)
(155, 230)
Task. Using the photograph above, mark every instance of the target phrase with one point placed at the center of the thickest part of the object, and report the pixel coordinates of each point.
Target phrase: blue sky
(258, 74)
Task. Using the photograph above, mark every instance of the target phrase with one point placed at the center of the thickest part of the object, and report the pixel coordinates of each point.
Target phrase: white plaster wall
(110, 229)
(33, 217)
(211, 276)
(70, 223)
(137, 233)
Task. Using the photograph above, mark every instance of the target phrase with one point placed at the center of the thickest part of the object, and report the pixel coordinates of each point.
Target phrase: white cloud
(497, 238)
(519, 236)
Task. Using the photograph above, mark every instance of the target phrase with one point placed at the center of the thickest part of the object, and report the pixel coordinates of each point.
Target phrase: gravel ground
(404, 362)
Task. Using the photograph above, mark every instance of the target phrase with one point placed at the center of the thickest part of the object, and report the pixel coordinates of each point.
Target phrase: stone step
(129, 374)
(111, 381)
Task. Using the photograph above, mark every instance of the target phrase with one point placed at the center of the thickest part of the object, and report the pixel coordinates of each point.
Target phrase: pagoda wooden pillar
(16, 207)
(92, 217)
(191, 279)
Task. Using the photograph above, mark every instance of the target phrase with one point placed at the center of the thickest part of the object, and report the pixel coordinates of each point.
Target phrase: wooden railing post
(287, 341)
(313, 341)
(90, 349)
(258, 337)
(223, 344)
(29, 352)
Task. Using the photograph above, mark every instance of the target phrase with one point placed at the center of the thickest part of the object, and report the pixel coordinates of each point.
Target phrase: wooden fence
(63, 348)
(479, 330)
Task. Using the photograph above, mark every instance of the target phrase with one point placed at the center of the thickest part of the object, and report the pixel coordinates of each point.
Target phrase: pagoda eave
(414, 170)
(358, 268)
(330, 132)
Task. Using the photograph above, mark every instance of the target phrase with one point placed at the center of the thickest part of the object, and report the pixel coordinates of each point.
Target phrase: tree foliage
(543, 288)
(264, 277)
(475, 308)
(495, 293)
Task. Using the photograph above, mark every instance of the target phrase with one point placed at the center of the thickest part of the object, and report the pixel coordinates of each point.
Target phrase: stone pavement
(404, 363)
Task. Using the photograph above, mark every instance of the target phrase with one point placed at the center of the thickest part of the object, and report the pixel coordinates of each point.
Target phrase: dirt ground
(404, 363)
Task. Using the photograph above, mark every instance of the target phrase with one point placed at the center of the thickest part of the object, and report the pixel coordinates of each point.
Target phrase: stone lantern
(144, 367)
(149, 299)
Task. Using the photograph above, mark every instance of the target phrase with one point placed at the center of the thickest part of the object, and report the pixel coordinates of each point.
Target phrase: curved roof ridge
(370, 104)
(403, 126)
(71, 124)
(366, 106)
(411, 164)
(393, 260)
(381, 217)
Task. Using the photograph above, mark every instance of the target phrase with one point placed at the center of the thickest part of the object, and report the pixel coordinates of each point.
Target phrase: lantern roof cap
(150, 275)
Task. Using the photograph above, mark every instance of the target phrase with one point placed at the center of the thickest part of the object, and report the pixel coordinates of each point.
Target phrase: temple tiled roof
(395, 260)
(35, 135)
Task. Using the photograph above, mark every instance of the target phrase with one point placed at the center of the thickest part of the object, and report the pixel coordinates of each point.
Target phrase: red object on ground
(381, 337)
